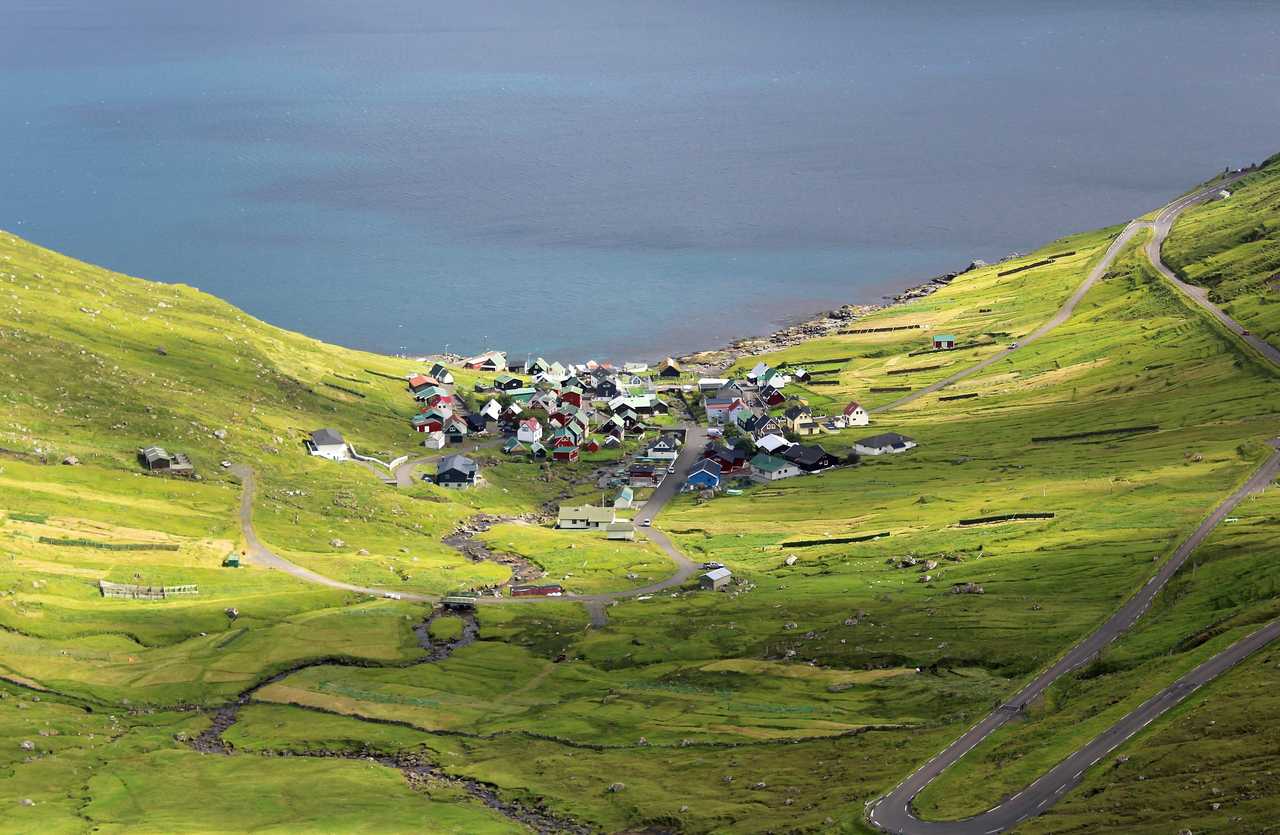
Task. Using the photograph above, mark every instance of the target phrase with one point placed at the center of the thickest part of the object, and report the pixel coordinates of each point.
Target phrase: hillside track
(256, 553)
(1163, 221)
(892, 811)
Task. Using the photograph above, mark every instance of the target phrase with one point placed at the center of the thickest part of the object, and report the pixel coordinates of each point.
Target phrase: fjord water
(603, 178)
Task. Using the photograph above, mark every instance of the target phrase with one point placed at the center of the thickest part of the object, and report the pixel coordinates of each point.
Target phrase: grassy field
(1232, 247)
(784, 703)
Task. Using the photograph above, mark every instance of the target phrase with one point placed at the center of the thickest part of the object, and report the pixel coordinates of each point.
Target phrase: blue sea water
(604, 178)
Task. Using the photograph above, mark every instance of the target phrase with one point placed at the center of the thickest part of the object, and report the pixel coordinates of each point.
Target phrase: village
(632, 423)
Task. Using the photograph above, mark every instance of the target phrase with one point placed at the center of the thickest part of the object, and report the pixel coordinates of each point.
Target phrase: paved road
(696, 438)
(892, 811)
(1167, 215)
(1200, 295)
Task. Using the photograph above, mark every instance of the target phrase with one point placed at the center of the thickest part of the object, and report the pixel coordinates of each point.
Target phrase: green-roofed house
(944, 342)
(765, 467)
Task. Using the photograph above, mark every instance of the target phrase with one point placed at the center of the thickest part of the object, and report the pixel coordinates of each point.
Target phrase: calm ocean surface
(604, 178)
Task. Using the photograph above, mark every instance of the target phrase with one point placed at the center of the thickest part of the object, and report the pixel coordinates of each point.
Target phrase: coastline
(817, 325)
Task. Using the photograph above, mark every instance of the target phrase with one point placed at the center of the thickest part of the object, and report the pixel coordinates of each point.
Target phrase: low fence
(1004, 517)
(1097, 433)
(344, 389)
(129, 591)
(111, 546)
(894, 371)
(880, 389)
(958, 396)
(839, 540)
(883, 330)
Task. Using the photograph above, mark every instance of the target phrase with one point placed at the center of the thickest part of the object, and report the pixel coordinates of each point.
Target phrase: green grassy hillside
(785, 704)
(1232, 247)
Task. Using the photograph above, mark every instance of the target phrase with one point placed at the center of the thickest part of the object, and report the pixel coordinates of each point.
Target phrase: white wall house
(328, 443)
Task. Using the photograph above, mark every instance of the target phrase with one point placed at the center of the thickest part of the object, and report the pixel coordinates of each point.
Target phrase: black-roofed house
(457, 471)
(888, 443)
(810, 457)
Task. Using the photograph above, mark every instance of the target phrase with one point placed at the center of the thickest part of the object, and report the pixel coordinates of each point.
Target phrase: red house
(565, 453)
(573, 396)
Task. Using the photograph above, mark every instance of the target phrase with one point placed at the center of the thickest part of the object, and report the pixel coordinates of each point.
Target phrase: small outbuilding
(622, 529)
(158, 459)
(944, 342)
(717, 579)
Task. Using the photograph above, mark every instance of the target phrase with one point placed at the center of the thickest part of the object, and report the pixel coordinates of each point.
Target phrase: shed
(622, 529)
(715, 580)
(944, 341)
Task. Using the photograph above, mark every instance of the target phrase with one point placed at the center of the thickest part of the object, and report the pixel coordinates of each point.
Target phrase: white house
(434, 440)
(855, 415)
(585, 516)
(491, 410)
(771, 468)
(887, 444)
(665, 448)
(328, 443)
(528, 431)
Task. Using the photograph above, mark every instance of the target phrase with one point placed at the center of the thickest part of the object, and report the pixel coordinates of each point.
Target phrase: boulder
(71, 461)
(27, 745)
(614, 788)
(337, 543)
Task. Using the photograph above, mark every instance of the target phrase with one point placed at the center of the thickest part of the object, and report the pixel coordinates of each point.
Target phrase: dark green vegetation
(784, 704)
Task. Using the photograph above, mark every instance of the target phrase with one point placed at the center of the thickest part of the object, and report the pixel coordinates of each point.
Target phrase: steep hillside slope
(810, 688)
(1232, 247)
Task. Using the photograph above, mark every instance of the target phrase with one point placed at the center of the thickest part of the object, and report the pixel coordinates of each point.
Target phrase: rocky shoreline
(825, 323)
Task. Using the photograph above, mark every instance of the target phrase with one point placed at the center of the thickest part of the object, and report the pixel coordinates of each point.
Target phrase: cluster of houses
(560, 411)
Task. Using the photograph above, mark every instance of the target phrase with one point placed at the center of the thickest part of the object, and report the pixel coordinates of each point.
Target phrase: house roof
(852, 407)
(326, 437)
(461, 463)
(626, 494)
(807, 454)
(885, 441)
(591, 513)
(796, 411)
(773, 442)
(944, 337)
(706, 465)
(621, 526)
(769, 463)
(718, 574)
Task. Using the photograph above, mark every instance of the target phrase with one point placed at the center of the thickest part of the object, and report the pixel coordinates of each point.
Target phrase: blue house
(705, 476)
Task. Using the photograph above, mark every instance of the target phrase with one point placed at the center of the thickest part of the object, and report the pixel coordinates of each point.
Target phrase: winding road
(892, 811)
(695, 439)
(1162, 225)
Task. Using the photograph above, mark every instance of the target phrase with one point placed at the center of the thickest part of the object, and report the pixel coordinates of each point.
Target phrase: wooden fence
(129, 591)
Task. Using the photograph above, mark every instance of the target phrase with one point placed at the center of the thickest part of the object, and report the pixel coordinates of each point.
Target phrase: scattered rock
(26, 801)
(27, 745)
(220, 434)
(791, 560)
(363, 552)
(337, 543)
(967, 588)
(233, 612)
(926, 578)
(71, 461)
(760, 785)
(614, 788)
